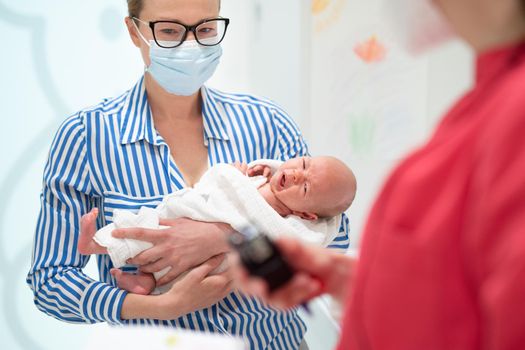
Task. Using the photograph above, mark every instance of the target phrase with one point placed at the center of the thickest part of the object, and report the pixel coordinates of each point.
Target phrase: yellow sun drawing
(319, 6)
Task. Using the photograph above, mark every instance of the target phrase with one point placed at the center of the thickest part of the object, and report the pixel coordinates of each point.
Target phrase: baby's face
(309, 184)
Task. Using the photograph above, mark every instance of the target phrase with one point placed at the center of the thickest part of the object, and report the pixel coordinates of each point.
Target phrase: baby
(307, 187)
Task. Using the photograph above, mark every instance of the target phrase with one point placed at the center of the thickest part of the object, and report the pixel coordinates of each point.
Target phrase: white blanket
(223, 194)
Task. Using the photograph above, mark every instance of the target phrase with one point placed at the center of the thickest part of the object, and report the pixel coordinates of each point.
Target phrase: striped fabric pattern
(111, 157)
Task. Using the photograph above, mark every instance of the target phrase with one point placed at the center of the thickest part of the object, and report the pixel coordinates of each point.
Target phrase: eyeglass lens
(168, 34)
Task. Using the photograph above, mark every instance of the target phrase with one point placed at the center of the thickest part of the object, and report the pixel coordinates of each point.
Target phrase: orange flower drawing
(371, 50)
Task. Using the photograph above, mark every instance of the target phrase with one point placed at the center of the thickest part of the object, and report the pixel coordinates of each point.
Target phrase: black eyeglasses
(170, 34)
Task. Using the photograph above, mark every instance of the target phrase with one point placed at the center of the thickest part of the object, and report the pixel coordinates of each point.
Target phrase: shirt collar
(137, 119)
(492, 63)
(136, 122)
(214, 116)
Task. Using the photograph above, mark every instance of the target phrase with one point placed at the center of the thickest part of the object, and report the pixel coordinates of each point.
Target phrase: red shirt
(443, 258)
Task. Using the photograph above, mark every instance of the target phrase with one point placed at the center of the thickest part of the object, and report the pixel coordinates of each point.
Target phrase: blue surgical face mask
(182, 70)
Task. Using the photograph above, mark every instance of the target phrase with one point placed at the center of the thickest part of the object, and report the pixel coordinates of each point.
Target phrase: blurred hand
(182, 246)
(318, 271)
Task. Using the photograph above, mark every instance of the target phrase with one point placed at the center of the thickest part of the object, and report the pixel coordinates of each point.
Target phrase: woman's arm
(60, 288)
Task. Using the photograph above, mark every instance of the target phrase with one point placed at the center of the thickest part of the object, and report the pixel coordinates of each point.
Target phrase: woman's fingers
(171, 223)
(169, 277)
(197, 289)
(153, 267)
(223, 283)
(168, 222)
(208, 266)
(146, 257)
(141, 234)
(197, 273)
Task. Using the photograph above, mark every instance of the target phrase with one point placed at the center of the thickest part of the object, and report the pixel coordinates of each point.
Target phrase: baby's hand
(260, 169)
(242, 167)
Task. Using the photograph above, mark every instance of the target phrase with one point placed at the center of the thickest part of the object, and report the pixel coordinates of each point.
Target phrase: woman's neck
(267, 193)
(506, 35)
(494, 24)
(171, 107)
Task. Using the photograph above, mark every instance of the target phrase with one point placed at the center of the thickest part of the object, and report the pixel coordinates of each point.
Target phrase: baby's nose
(297, 176)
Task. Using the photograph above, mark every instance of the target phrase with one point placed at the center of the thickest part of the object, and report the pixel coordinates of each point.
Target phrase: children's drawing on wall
(326, 13)
(358, 71)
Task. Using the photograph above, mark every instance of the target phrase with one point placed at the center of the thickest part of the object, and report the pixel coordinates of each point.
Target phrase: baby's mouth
(282, 182)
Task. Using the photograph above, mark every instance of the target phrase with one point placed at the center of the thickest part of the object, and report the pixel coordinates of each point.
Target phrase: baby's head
(313, 187)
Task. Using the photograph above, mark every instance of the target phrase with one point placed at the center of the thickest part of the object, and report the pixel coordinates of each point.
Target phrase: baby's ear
(308, 216)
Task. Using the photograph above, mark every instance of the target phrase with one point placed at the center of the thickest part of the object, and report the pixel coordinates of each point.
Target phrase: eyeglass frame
(187, 28)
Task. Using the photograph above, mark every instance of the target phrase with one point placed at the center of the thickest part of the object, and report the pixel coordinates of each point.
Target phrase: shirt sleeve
(498, 237)
(60, 288)
(291, 144)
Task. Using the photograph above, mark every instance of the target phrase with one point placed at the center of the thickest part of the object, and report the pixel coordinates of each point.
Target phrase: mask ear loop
(143, 39)
(140, 33)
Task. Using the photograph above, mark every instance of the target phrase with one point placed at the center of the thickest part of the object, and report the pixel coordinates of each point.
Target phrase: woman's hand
(193, 291)
(199, 289)
(182, 246)
(318, 271)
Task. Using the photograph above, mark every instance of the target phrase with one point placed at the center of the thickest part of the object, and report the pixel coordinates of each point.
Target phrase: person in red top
(442, 263)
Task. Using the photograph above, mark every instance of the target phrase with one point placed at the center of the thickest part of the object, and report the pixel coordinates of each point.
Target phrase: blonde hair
(135, 7)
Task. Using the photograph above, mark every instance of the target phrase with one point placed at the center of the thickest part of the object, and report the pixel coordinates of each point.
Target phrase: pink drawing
(371, 50)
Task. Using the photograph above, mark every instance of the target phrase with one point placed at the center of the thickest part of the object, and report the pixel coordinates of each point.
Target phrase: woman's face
(483, 22)
(188, 12)
(457, 12)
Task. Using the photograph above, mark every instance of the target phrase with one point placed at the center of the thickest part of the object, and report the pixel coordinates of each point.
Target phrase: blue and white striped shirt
(111, 157)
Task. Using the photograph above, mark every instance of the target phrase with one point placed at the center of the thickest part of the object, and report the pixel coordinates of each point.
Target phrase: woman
(442, 264)
(131, 151)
